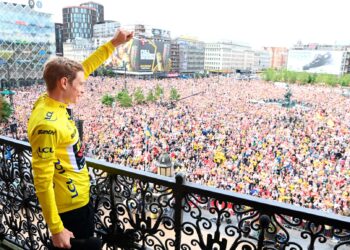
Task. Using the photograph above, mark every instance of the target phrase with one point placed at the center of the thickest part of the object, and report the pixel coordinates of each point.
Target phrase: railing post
(26, 195)
(179, 194)
(264, 222)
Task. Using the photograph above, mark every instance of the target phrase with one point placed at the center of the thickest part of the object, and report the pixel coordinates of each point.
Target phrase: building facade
(78, 22)
(59, 39)
(105, 29)
(27, 41)
(189, 54)
(248, 62)
(175, 57)
(279, 57)
(262, 60)
(78, 49)
(100, 16)
(226, 57)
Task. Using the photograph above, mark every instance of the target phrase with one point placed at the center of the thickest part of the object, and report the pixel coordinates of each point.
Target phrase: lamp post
(166, 168)
(165, 165)
(9, 92)
(124, 65)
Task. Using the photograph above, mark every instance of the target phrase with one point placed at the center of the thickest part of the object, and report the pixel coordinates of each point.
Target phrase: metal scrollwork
(22, 224)
(343, 236)
(132, 209)
(136, 211)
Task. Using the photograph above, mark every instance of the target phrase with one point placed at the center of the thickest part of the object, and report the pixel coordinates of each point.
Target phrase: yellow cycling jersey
(61, 177)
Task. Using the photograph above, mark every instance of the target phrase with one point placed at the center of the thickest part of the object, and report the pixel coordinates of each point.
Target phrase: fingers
(62, 239)
(122, 36)
(71, 234)
(130, 36)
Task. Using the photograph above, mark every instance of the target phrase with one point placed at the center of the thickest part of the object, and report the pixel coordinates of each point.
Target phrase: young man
(61, 177)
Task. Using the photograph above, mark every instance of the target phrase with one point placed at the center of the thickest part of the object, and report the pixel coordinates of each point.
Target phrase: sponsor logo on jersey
(44, 152)
(51, 116)
(71, 187)
(46, 132)
(59, 167)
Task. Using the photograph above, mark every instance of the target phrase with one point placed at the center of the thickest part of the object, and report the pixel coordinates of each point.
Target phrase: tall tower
(99, 10)
(78, 22)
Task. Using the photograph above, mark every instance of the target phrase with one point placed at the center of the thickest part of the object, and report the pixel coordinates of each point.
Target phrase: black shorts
(80, 221)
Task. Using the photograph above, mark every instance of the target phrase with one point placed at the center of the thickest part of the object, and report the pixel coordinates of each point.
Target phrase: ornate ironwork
(21, 221)
(138, 210)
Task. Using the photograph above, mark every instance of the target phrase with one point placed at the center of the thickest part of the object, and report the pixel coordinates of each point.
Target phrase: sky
(254, 22)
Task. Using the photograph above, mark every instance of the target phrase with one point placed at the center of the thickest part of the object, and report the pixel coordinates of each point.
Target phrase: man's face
(76, 89)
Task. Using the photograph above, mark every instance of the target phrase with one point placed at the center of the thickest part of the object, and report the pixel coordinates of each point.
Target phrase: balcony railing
(140, 210)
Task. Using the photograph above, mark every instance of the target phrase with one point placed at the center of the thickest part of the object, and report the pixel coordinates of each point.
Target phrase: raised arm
(105, 51)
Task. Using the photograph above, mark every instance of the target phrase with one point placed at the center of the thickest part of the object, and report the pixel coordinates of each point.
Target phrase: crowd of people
(223, 137)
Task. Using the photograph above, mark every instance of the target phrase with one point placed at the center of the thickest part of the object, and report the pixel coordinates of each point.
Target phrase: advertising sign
(142, 55)
(315, 61)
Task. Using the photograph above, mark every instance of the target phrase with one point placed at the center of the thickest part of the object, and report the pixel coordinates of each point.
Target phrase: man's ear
(62, 83)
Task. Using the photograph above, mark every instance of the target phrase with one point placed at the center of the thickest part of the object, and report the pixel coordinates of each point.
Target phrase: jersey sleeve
(97, 58)
(43, 141)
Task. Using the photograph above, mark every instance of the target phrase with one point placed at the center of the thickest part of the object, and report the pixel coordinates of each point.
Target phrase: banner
(142, 55)
(316, 61)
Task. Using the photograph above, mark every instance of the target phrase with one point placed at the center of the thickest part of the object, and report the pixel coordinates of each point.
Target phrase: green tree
(5, 110)
(174, 95)
(278, 76)
(159, 91)
(107, 100)
(285, 75)
(124, 99)
(110, 73)
(331, 80)
(139, 97)
(345, 80)
(312, 78)
(303, 77)
(120, 95)
(292, 77)
(269, 75)
(321, 78)
(150, 96)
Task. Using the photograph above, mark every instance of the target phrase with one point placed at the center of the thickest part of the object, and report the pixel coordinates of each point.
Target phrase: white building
(262, 60)
(227, 57)
(105, 29)
(78, 49)
(248, 62)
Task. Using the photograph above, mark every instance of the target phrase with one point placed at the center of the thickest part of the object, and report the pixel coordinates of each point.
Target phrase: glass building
(99, 10)
(78, 22)
(190, 55)
(59, 39)
(27, 40)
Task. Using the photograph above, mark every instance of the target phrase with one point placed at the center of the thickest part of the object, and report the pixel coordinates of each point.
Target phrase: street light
(165, 165)
(165, 168)
(124, 65)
